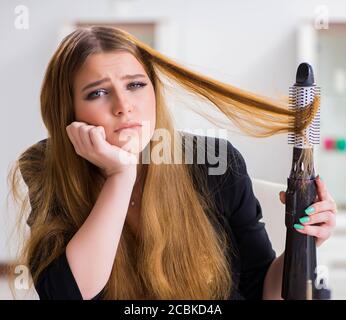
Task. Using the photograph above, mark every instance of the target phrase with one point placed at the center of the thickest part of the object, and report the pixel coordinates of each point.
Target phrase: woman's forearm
(273, 280)
(91, 251)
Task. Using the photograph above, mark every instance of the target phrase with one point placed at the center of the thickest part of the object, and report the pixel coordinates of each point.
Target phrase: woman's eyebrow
(126, 77)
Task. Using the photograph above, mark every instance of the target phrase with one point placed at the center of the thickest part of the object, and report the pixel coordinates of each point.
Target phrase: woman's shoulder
(34, 151)
(31, 160)
(31, 164)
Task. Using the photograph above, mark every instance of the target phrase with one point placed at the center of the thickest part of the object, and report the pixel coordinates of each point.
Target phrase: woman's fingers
(323, 201)
(320, 219)
(321, 233)
(85, 137)
(97, 136)
(282, 196)
(326, 205)
(73, 134)
(326, 217)
(321, 189)
(84, 134)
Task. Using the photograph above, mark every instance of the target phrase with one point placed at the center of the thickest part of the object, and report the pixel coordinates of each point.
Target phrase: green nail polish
(304, 219)
(298, 226)
(310, 210)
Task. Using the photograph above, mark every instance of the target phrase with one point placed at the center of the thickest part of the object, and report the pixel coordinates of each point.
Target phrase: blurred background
(255, 45)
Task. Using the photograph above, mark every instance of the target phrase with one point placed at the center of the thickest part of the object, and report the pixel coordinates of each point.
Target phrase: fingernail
(309, 210)
(298, 226)
(321, 178)
(304, 219)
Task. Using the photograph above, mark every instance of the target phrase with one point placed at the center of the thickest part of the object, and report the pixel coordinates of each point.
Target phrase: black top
(251, 251)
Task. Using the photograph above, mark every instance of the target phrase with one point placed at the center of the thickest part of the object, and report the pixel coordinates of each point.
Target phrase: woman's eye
(100, 92)
(136, 85)
(95, 94)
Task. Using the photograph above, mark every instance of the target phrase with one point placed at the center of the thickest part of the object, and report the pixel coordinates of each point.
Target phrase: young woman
(107, 225)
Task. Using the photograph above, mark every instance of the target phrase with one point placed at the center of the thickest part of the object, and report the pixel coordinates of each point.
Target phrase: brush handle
(300, 251)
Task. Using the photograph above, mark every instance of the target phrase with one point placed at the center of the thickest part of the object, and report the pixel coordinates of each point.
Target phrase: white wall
(250, 44)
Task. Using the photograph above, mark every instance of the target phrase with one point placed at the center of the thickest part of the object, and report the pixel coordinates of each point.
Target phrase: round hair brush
(299, 274)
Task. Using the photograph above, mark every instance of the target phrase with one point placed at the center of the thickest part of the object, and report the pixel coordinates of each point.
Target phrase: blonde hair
(63, 187)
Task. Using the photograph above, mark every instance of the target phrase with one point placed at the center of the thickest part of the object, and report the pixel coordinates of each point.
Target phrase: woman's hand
(90, 143)
(320, 216)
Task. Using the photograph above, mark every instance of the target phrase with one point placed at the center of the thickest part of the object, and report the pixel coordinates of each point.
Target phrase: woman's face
(111, 89)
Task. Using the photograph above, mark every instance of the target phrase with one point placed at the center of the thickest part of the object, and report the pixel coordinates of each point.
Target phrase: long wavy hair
(185, 260)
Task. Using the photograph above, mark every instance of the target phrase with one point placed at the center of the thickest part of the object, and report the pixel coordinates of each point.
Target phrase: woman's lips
(130, 127)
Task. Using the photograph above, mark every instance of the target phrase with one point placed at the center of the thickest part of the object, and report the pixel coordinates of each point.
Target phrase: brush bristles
(299, 99)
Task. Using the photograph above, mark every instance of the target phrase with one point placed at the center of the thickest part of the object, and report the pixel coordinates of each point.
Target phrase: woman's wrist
(124, 176)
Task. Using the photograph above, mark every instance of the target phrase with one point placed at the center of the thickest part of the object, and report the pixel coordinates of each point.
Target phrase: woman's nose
(121, 106)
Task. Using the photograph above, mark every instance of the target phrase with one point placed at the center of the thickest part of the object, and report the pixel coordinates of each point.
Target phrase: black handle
(300, 251)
